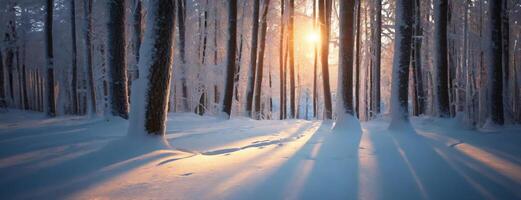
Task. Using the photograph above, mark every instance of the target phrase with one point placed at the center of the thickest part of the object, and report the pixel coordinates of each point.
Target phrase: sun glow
(313, 37)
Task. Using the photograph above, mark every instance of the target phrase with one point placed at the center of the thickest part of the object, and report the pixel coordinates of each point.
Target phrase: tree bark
(182, 52)
(230, 57)
(324, 33)
(260, 66)
(51, 93)
(346, 58)
(402, 56)
(74, 81)
(91, 86)
(117, 59)
(441, 59)
(253, 59)
(281, 64)
(496, 85)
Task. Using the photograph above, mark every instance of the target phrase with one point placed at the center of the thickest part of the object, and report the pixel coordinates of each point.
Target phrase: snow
(211, 158)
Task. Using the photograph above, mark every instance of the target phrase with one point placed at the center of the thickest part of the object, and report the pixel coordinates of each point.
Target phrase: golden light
(313, 37)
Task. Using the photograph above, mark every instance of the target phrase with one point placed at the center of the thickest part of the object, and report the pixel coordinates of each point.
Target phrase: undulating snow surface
(211, 158)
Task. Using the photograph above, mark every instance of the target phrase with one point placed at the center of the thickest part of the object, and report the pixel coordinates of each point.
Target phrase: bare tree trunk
(346, 57)
(182, 51)
(91, 86)
(230, 57)
(74, 81)
(323, 7)
(2, 81)
(496, 86)
(315, 63)
(260, 66)
(441, 60)
(357, 57)
(281, 63)
(402, 56)
(117, 61)
(155, 81)
(418, 77)
(377, 52)
(51, 93)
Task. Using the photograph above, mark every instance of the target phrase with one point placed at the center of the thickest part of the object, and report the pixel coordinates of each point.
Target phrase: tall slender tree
(402, 58)
(345, 108)
(496, 65)
(260, 65)
(181, 4)
(377, 55)
(253, 58)
(324, 22)
(230, 57)
(87, 32)
(74, 80)
(291, 49)
(441, 57)
(282, 70)
(117, 59)
(51, 92)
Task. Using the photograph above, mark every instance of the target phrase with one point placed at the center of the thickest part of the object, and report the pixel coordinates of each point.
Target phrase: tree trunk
(441, 60)
(230, 57)
(291, 48)
(402, 56)
(117, 61)
(74, 81)
(418, 77)
(91, 86)
(253, 59)
(357, 57)
(377, 53)
(2, 85)
(281, 64)
(315, 63)
(260, 66)
(323, 8)
(182, 52)
(346, 56)
(151, 99)
(51, 93)
(137, 36)
(496, 67)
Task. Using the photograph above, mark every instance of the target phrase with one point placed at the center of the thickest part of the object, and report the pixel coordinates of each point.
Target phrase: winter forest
(260, 99)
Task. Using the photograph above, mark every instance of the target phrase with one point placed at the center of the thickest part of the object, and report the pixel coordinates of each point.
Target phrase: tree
(282, 72)
(419, 97)
(260, 67)
(230, 57)
(291, 49)
(357, 57)
(377, 54)
(441, 60)
(87, 30)
(74, 81)
(402, 56)
(51, 93)
(345, 108)
(182, 51)
(496, 65)
(324, 21)
(2, 86)
(150, 99)
(117, 59)
(253, 58)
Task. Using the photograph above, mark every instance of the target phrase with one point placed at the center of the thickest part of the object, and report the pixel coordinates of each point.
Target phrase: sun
(313, 37)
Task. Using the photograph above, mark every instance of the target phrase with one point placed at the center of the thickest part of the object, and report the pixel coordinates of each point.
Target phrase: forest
(260, 99)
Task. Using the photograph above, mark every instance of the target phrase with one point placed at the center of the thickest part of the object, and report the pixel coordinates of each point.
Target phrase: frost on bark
(156, 69)
(253, 59)
(260, 65)
(91, 87)
(51, 93)
(181, 4)
(402, 55)
(117, 59)
(230, 57)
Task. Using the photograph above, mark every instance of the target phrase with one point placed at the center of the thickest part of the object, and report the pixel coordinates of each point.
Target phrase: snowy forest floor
(211, 158)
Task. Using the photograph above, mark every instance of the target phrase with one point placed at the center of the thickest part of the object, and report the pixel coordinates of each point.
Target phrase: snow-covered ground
(211, 158)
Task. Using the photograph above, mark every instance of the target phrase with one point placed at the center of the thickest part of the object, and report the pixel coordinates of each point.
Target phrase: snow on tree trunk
(51, 92)
(182, 51)
(89, 68)
(117, 59)
(230, 57)
(253, 59)
(260, 66)
(151, 90)
(401, 61)
(345, 111)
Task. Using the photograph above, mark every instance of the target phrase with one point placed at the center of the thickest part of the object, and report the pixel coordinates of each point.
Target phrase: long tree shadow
(325, 167)
(64, 178)
(437, 177)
